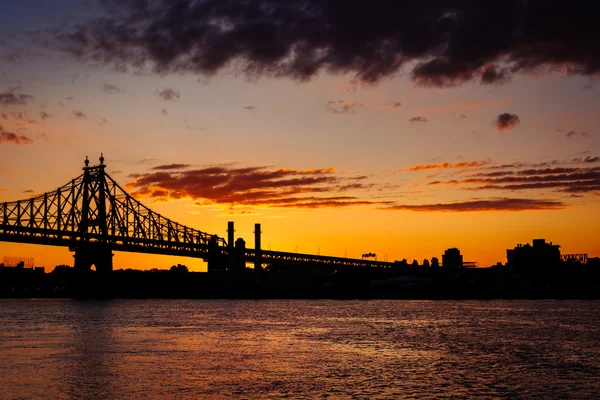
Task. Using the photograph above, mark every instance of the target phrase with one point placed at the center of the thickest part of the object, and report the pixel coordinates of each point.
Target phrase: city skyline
(474, 148)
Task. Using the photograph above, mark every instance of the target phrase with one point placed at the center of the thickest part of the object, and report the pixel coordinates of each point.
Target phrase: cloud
(506, 121)
(12, 99)
(418, 119)
(501, 204)
(343, 107)
(79, 114)
(44, 115)
(164, 112)
(561, 178)
(22, 116)
(393, 104)
(250, 186)
(170, 167)
(109, 89)
(169, 94)
(14, 138)
(250, 108)
(572, 134)
(462, 164)
(441, 43)
(493, 75)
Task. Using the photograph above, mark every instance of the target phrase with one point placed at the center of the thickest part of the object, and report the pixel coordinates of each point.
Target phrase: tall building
(452, 258)
(537, 256)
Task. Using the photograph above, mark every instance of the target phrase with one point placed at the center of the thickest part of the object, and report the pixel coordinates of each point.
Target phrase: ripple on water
(298, 349)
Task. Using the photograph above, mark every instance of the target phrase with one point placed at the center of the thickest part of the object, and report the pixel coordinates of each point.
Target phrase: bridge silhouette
(93, 216)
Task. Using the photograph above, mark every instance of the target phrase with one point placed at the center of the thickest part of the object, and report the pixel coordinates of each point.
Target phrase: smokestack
(257, 249)
(230, 235)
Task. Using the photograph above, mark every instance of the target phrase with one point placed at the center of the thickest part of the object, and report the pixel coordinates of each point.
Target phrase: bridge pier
(99, 256)
(88, 284)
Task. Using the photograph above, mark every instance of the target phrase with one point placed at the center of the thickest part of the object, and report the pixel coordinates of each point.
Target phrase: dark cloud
(502, 204)
(564, 179)
(343, 107)
(251, 186)
(15, 138)
(169, 94)
(44, 115)
(79, 114)
(170, 167)
(445, 42)
(418, 119)
(107, 88)
(164, 112)
(506, 121)
(14, 99)
(250, 108)
(494, 75)
(572, 134)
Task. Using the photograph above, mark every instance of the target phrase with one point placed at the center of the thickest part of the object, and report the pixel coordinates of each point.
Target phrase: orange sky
(335, 162)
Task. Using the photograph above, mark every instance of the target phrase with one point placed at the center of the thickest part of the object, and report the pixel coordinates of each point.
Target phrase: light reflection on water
(153, 349)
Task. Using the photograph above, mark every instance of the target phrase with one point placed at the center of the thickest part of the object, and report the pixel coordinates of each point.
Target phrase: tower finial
(86, 162)
(101, 158)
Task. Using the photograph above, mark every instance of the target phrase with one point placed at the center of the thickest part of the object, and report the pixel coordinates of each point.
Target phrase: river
(297, 349)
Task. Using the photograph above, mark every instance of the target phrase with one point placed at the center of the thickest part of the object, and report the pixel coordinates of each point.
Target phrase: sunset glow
(336, 138)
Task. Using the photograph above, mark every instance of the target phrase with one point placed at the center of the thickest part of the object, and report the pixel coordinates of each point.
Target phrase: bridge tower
(93, 223)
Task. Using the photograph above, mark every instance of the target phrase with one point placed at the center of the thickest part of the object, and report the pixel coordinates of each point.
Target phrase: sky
(343, 127)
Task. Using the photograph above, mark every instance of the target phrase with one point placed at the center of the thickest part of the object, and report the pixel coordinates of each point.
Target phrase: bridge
(93, 216)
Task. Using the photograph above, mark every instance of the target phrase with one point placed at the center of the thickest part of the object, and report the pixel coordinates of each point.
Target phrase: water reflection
(298, 349)
(92, 370)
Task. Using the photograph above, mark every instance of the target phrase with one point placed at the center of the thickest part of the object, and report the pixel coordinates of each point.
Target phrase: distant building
(452, 258)
(538, 256)
(595, 261)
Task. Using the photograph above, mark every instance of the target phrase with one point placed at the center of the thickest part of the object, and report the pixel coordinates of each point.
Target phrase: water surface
(213, 349)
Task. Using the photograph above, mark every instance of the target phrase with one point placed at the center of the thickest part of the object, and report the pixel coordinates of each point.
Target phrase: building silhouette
(540, 255)
(452, 258)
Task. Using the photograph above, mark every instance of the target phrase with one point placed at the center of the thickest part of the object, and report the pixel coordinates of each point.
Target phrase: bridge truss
(93, 216)
(93, 211)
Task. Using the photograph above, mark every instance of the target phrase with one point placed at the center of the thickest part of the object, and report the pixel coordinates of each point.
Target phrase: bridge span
(93, 216)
